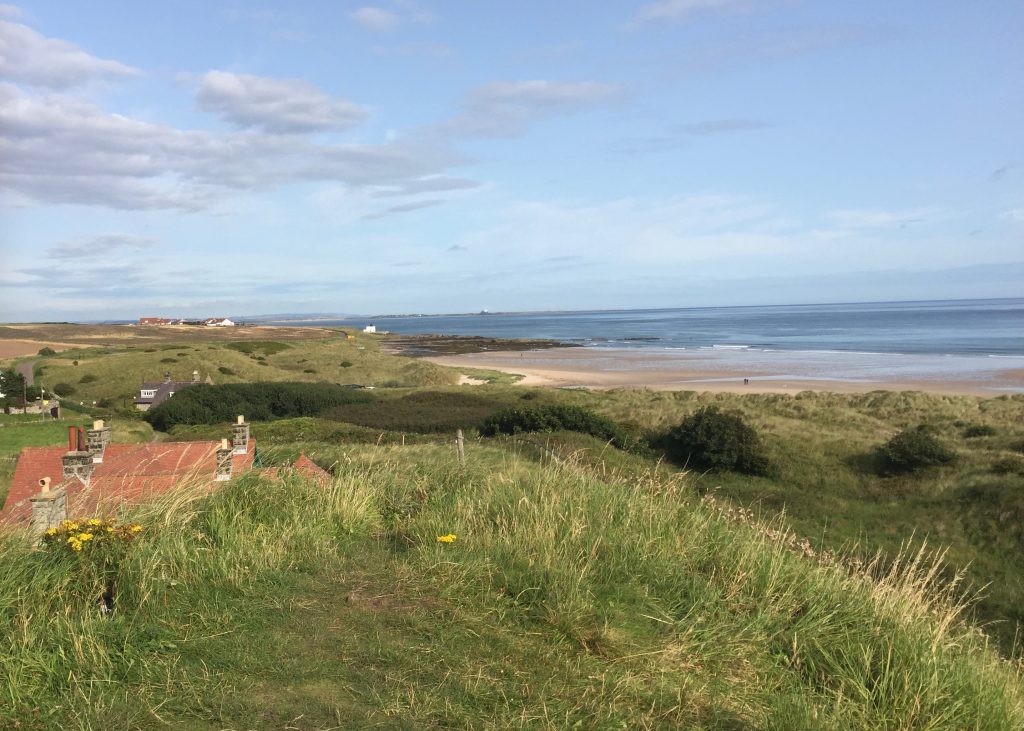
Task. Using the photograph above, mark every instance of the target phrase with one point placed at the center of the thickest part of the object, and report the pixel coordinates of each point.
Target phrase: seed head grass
(568, 597)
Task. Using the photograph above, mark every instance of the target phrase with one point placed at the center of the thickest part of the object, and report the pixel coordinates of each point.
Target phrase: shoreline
(784, 372)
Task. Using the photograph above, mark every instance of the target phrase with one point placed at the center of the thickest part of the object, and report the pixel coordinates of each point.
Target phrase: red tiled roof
(310, 469)
(128, 472)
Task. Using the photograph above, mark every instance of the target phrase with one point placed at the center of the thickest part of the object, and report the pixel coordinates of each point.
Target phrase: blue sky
(193, 159)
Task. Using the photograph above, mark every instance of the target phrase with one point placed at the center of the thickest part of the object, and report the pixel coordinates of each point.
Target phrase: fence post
(460, 443)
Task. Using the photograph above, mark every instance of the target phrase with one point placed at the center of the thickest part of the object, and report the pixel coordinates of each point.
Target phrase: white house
(370, 329)
(216, 322)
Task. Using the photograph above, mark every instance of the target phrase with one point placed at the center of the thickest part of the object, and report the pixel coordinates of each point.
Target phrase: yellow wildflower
(51, 531)
(450, 538)
(85, 536)
(136, 528)
(109, 529)
(94, 522)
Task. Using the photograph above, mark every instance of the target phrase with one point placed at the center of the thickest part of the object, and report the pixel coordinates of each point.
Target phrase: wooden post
(460, 443)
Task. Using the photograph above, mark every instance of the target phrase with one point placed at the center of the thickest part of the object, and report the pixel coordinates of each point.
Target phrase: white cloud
(30, 58)
(98, 246)
(59, 149)
(677, 10)
(274, 105)
(376, 19)
(709, 127)
(507, 108)
(856, 218)
(403, 208)
(382, 20)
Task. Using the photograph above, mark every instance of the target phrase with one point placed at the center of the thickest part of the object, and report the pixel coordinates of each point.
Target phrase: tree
(12, 383)
(717, 440)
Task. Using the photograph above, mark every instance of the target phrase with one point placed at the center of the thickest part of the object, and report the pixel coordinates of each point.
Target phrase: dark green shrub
(712, 439)
(309, 370)
(267, 347)
(107, 403)
(226, 371)
(88, 378)
(346, 364)
(47, 352)
(1008, 466)
(63, 389)
(913, 449)
(207, 404)
(168, 360)
(74, 362)
(556, 418)
(980, 430)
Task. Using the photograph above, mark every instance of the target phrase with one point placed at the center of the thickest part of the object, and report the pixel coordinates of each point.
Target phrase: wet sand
(766, 372)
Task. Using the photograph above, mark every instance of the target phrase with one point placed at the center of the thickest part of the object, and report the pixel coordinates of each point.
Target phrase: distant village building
(370, 329)
(153, 393)
(156, 321)
(218, 322)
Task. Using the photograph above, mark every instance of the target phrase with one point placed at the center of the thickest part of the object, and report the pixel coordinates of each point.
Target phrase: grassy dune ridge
(569, 597)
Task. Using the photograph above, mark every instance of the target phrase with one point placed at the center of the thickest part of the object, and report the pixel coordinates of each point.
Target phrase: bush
(168, 360)
(346, 364)
(63, 389)
(980, 430)
(712, 439)
(46, 352)
(556, 418)
(913, 449)
(309, 370)
(88, 378)
(268, 347)
(207, 404)
(225, 370)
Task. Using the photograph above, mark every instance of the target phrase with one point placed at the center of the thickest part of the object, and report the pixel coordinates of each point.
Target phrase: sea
(936, 340)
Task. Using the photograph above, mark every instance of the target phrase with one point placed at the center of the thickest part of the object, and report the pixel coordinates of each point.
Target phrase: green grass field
(568, 599)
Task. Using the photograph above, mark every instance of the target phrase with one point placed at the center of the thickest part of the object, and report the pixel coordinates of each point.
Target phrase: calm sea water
(954, 327)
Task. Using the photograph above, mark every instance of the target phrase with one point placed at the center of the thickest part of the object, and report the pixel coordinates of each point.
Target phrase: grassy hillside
(114, 373)
(570, 598)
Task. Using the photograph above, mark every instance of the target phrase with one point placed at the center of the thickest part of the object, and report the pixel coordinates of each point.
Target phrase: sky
(194, 159)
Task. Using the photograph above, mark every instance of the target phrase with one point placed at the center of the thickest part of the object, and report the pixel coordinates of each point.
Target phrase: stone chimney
(195, 376)
(49, 507)
(167, 377)
(240, 436)
(96, 440)
(78, 460)
(223, 462)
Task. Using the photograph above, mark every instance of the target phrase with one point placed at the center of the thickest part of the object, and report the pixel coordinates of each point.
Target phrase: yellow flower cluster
(450, 538)
(76, 534)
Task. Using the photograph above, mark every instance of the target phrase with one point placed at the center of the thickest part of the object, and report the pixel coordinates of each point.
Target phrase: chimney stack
(240, 436)
(195, 376)
(97, 440)
(78, 461)
(167, 377)
(223, 462)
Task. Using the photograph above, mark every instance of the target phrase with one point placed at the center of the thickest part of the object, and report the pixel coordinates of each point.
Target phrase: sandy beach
(764, 371)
